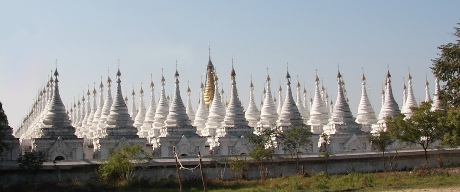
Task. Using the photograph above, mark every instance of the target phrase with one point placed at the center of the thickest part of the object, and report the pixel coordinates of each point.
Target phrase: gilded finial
(151, 82)
(94, 89)
(162, 77)
(251, 85)
(142, 90)
(268, 76)
(233, 74)
(316, 76)
(177, 72)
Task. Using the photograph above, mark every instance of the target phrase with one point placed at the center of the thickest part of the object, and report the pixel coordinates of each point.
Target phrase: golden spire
(211, 78)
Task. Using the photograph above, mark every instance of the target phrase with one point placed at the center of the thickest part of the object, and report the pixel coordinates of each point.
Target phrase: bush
(119, 165)
(31, 161)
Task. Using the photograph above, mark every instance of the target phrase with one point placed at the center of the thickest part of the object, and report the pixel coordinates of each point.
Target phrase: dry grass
(416, 179)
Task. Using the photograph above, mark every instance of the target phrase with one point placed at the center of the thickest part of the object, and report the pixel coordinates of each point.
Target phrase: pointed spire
(437, 105)
(366, 115)
(161, 111)
(189, 108)
(119, 124)
(216, 113)
(177, 116)
(389, 107)
(202, 112)
(298, 102)
(319, 111)
(133, 105)
(56, 122)
(234, 115)
(140, 116)
(268, 112)
(427, 90)
(105, 109)
(410, 101)
(290, 115)
(341, 114)
(252, 114)
(150, 114)
(98, 113)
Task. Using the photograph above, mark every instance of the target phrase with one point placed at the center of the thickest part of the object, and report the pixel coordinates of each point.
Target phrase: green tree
(262, 148)
(294, 139)
(3, 125)
(120, 166)
(447, 69)
(423, 128)
(31, 161)
(324, 150)
(381, 141)
(452, 127)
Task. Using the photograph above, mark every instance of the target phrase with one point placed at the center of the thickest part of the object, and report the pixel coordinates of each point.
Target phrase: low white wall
(216, 168)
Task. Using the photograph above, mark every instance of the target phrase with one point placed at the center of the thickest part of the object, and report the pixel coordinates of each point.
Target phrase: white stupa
(427, 90)
(133, 106)
(290, 115)
(140, 116)
(178, 131)
(105, 109)
(202, 113)
(56, 137)
(436, 105)
(252, 114)
(306, 105)
(189, 108)
(150, 115)
(300, 106)
(98, 113)
(232, 137)
(345, 135)
(389, 107)
(280, 101)
(119, 130)
(410, 101)
(161, 112)
(268, 111)
(366, 115)
(216, 113)
(319, 111)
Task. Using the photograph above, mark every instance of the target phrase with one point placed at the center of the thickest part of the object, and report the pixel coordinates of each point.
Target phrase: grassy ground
(417, 179)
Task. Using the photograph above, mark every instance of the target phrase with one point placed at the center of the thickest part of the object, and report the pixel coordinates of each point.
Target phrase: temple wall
(216, 168)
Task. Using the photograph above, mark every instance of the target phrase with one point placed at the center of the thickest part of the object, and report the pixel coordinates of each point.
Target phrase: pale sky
(88, 37)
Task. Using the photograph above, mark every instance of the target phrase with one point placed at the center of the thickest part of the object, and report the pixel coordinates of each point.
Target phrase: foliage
(3, 122)
(447, 69)
(452, 127)
(295, 139)
(240, 165)
(262, 147)
(381, 141)
(119, 165)
(31, 161)
(423, 128)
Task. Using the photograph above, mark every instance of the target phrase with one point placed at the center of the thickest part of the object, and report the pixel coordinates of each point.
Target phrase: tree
(424, 127)
(31, 161)
(381, 141)
(262, 148)
(3, 125)
(447, 69)
(452, 127)
(119, 165)
(294, 139)
(324, 148)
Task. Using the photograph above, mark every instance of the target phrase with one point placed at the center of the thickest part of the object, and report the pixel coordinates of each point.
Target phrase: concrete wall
(217, 168)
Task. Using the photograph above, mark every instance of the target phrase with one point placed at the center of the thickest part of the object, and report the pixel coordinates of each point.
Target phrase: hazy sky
(88, 37)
